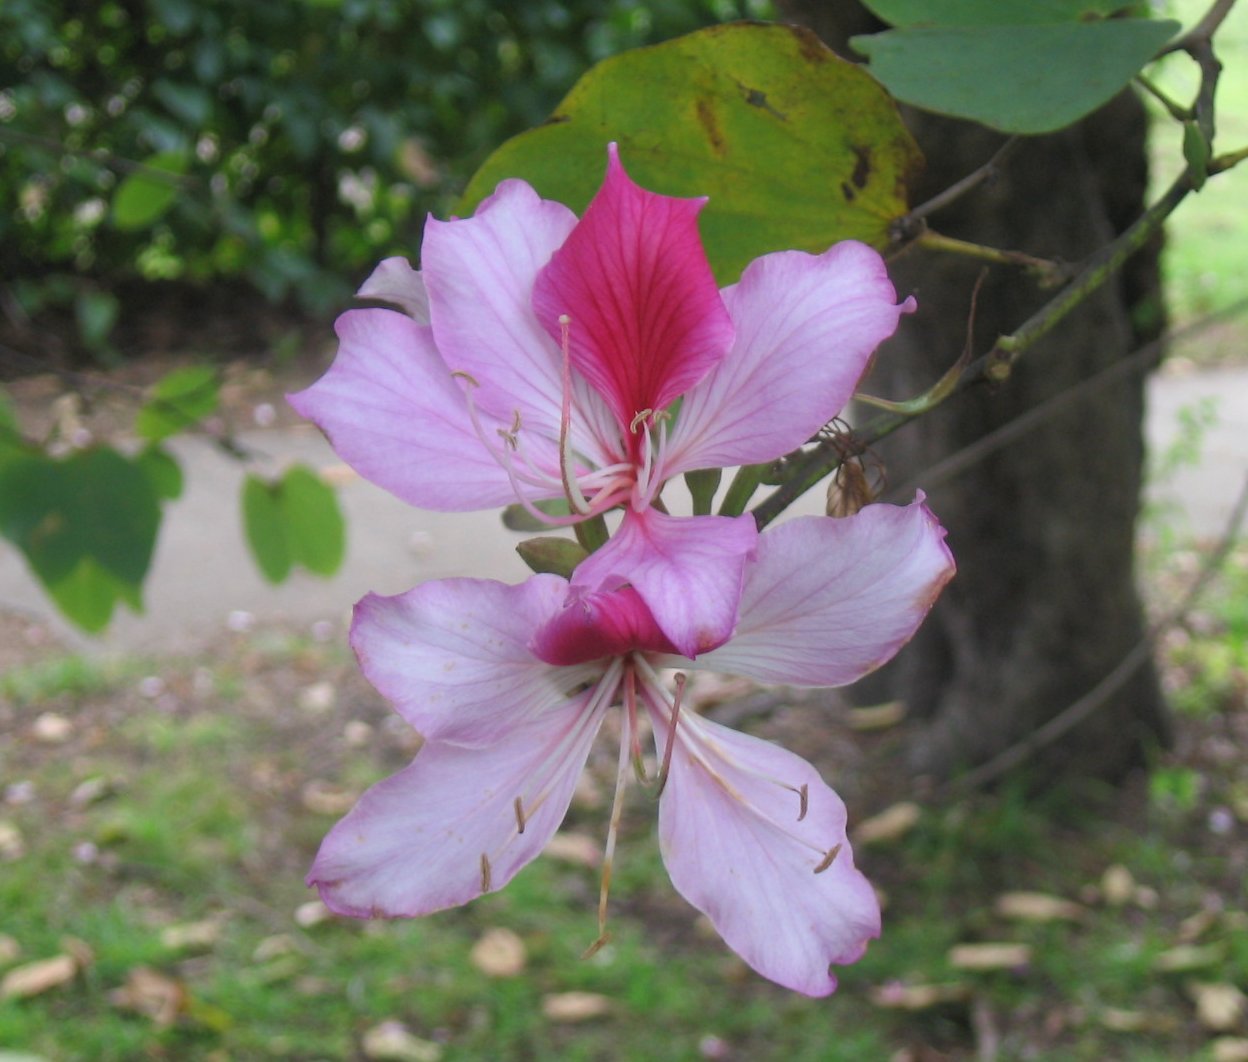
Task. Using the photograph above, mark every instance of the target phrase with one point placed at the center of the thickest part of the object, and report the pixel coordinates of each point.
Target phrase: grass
(187, 802)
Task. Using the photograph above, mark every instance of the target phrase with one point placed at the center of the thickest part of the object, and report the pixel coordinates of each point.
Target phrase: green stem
(742, 489)
(591, 533)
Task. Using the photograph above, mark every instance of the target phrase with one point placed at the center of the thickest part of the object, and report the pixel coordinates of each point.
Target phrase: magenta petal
(593, 626)
(688, 570)
(452, 655)
(646, 319)
(829, 600)
(743, 845)
(445, 829)
(396, 282)
(806, 326)
(394, 413)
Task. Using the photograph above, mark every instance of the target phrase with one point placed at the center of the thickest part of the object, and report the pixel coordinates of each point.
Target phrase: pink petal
(806, 327)
(396, 282)
(646, 319)
(452, 655)
(829, 600)
(688, 571)
(480, 272)
(423, 839)
(592, 626)
(393, 412)
(738, 848)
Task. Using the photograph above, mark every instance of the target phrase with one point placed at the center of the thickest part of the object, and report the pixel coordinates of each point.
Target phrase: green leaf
(162, 471)
(87, 526)
(96, 313)
(191, 103)
(795, 147)
(315, 529)
(910, 13)
(293, 521)
(177, 401)
(265, 528)
(1033, 78)
(143, 197)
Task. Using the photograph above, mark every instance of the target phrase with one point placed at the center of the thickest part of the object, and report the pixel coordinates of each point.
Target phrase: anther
(828, 859)
(803, 795)
(520, 820)
(485, 872)
(461, 375)
(639, 419)
(596, 946)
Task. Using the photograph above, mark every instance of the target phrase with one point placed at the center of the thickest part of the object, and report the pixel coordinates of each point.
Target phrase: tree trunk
(1044, 605)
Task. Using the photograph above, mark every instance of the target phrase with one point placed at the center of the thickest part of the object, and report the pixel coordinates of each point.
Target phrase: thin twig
(1203, 31)
(955, 191)
(1079, 711)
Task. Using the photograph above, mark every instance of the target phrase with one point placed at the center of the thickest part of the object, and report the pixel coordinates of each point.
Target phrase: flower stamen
(571, 489)
(680, 681)
(485, 872)
(828, 859)
(608, 854)
(520, 819)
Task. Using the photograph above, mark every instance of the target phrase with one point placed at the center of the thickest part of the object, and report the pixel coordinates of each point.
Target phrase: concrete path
(203, 578)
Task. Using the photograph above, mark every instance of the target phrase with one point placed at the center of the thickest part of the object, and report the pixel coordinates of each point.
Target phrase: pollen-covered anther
(520, 819)
(596, 946)
(639, 420)
(828, 859)
(509, 435)
(459, 374)
(485, 872)
(803, 796)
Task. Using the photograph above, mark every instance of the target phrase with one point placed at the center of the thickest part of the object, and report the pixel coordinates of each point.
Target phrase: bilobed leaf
(182, 398)
(265, 529)
(1018, 78)
(143, 196)
(87, 526)
(314, 526)
(794, 147)
(910, 13)
(163, 472)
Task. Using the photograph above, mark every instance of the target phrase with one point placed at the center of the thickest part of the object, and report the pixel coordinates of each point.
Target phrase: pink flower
(510, 684)
(538, 357)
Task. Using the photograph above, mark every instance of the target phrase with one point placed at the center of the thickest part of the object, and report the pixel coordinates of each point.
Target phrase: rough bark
(1045, 601)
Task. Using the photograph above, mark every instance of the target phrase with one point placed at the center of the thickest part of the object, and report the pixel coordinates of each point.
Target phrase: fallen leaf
(191, 935)
(498, 953)
(894, 995)
(325, 798)
(876, 716)
(891, 824)
(272, 947)
(34, 978)
(12, 846)
(1038, 907)
(578, 848)
(153, 994)
(1219, 1006)
(1117, 885)
(318, 698)
(567, 1007)
(91, 790)
(312, 913)
(51, 728)
(1195, 926)
(1230, 1049)
(1188, 957)
(10, 949)
(392, 1042)
(989, 956)
(1133, 1021)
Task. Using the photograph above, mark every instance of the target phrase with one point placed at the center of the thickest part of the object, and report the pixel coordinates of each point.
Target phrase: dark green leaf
(1016, 78)
(162, 471)
(87, 525)
(558, 556)
(744, 114)
(182, 398)
(96, 313)
(315, 530)
(191, 103)
(910, 13)
(265, 528)
(144, 196)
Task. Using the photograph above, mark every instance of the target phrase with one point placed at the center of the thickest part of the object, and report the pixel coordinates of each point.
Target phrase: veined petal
(806, 326)
(396, 282)
(829, 600)
(688, 571)
(480, 273)
(446, 829)
(393, 412)
(744, 828)
(452, 655)
(647, 321)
